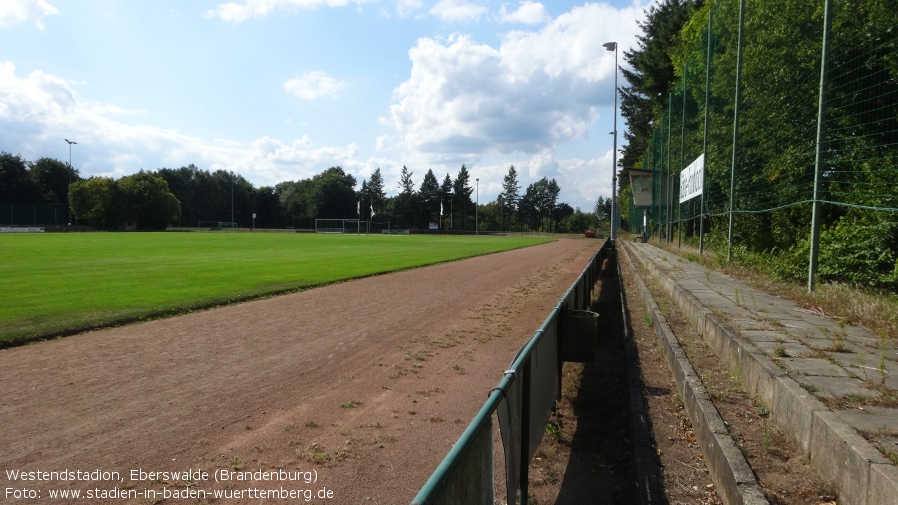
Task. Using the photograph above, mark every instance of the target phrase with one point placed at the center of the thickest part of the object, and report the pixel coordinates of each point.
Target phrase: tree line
(187, 196)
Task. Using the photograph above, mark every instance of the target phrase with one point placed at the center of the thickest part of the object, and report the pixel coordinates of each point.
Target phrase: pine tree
(405, 204)
(511, 190)
(430, 194)
(376, 195)
(406, 185)
(651, 76)
(461, 195)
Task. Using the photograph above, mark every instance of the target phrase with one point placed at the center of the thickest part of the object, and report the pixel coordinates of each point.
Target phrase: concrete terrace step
(794, 360)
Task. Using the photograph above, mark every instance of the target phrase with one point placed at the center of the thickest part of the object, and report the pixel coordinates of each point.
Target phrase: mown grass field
(57, 283)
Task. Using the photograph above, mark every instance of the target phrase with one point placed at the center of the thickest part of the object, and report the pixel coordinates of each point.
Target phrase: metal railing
(523, 400)
(33, 214)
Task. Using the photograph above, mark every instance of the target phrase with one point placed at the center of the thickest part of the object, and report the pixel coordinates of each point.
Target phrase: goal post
(217, 225)
(357, 226)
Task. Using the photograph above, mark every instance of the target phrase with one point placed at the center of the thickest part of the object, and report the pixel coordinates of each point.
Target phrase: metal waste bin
(580, 336)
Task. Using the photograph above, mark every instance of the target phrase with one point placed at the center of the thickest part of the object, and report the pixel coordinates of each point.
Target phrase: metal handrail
(465, 476)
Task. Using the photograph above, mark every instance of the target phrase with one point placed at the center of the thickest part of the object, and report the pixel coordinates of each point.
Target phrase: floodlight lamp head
(70, 141)
(611, 46)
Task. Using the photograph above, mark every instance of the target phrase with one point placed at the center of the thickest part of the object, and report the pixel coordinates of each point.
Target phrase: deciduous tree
(52, 178)
(145, 199)
(15, 184)
(96, 199)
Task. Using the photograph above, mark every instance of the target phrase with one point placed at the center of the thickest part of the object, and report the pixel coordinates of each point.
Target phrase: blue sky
(279, 90)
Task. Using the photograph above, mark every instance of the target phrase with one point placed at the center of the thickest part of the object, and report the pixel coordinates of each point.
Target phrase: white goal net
(340, 226)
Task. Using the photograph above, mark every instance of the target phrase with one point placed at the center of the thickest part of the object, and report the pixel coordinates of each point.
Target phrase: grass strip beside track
(55, 284)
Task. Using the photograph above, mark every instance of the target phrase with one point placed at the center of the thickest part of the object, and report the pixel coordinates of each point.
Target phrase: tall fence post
(735, 130)
(701, 210)
(818, 162)
(682, 155)
(669, 180)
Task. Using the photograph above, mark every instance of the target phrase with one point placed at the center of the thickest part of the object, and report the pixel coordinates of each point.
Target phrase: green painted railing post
(525, 431)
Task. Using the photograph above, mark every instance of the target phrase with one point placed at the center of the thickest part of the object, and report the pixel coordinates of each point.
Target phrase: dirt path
(366, 384)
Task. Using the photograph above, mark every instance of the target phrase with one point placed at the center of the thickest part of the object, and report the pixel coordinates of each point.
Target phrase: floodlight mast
(477, 208)
(612, 46)
(70, 142)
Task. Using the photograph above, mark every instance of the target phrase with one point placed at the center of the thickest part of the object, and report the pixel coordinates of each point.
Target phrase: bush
(861, 249)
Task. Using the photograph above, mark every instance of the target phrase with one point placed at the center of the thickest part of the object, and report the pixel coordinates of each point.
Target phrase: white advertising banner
(692, 179)
(18, 229)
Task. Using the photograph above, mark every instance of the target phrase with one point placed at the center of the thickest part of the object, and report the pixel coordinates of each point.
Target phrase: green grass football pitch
(57, 283)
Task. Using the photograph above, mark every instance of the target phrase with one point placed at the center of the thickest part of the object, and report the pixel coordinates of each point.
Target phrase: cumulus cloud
(529, 13)
(583, 180)
(13, 12)
(38, 98)
(542, 164)
(458, 11)
(537, 89)
(311, 85)
(38, 111)
(238, 12)
(406, 8)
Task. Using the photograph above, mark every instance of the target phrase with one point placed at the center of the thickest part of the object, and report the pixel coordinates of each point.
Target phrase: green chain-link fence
(33, 214)
(763, 172)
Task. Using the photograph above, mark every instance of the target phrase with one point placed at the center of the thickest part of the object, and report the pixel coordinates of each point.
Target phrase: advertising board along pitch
(692, 179)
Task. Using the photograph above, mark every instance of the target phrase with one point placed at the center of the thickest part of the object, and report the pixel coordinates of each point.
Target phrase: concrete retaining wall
(859, 471)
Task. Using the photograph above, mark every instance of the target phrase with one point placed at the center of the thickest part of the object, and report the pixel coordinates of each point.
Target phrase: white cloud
(311, 85)
(39, 97)
(521, 97)
(536, 90)
(571, 46)
(238, 12)
(37, 112)
(13, 12)
(458, 10)
(381, 143)
(405, 8)
(542, 164)
(522, 102)
(115, 110)
(530, 13)
(582, 181)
